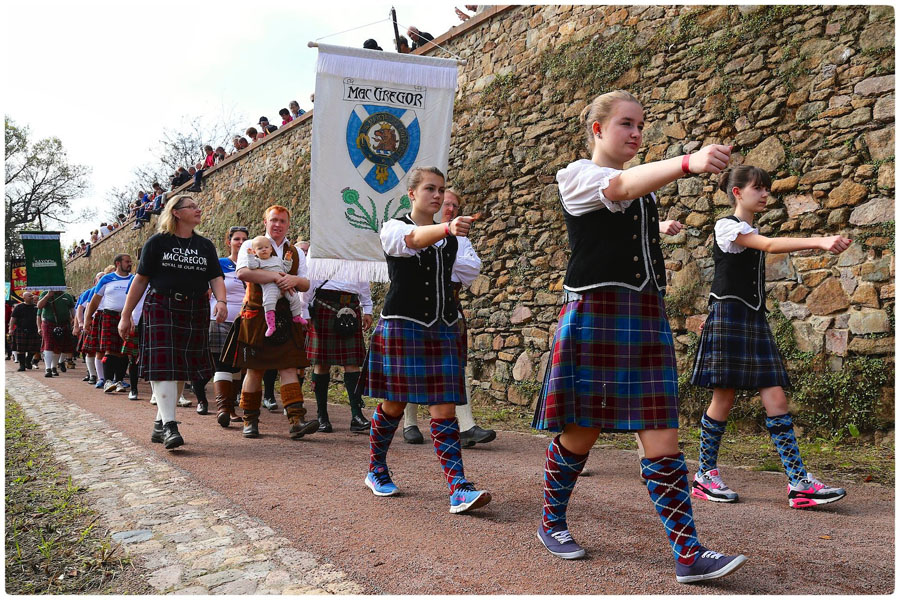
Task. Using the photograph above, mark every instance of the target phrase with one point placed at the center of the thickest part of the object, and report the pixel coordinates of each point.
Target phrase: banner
(377, 115)
(17, 279)
(43, 261)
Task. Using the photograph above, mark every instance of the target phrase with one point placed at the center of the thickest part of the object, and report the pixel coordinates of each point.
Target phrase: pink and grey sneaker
(709, 486)
(809, 492)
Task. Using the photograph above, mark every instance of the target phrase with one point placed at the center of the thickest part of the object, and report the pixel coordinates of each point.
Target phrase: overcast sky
(107, 77)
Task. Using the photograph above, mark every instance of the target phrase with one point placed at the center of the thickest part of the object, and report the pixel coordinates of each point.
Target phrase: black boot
(251, 423)
(171, 438)
(49, 373)
(157, 436)
(199, 388)
(21, 358)
(320, 383)
(268, 400)
(358, 421)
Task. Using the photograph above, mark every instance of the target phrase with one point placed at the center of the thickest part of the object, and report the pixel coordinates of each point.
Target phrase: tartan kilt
(737, 350)
(409, 362)
(612, 364)
(217, 334)
(108, 338)
(131, 345)
(54, 345)
(90, 335)
(174, 343)
(323, 344)
(26, 340)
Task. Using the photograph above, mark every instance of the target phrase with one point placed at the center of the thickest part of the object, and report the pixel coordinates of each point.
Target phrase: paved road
(311, 493)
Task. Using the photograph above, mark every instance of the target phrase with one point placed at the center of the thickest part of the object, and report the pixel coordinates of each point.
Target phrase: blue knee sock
(380, 436)
(710, 438)
(561, 472)
(781, 428)
(445, 436)
(667, 483)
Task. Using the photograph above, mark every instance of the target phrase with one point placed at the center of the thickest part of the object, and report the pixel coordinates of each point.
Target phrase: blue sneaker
(379, 481)
(708, 565)
(100, 384)
(560, 543)
(466, 498)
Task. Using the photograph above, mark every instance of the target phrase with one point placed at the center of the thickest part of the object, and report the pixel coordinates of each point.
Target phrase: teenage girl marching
(613, 362)
(416, 354)
(737, 350)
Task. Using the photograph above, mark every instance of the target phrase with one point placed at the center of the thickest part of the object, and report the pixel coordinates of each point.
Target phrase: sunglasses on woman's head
(239, 228)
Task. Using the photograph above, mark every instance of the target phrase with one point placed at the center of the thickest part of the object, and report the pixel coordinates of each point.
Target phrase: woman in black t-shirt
(178, 266)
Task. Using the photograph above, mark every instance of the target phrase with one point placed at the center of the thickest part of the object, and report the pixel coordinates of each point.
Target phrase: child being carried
(261, 255)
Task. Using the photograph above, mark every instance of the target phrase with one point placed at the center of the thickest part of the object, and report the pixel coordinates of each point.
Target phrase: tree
(40, 185)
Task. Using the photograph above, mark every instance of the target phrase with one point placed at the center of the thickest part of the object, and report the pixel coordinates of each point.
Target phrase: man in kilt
(109, 299)
(339, 312)
(24, 330)
(82, 331)
(247, 347)
(470, 433)
(55, 310)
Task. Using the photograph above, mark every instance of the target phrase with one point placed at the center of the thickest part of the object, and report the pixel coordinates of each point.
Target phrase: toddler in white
(261, 255)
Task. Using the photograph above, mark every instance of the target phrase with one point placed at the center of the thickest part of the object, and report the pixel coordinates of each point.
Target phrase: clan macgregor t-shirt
(175, 264)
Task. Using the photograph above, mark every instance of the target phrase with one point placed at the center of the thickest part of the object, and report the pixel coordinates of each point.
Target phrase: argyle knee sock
(445, 435)
(380, 436)
(781, 429)
(667, 482)
(710, 439)
(356, 402)
(320, 387)
(561, 472)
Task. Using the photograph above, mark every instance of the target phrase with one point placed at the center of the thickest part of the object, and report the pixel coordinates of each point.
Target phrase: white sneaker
(153, 399)
(184, 402)
(132, 394)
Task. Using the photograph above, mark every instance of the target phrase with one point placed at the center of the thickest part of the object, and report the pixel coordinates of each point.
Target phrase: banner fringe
(338, 269)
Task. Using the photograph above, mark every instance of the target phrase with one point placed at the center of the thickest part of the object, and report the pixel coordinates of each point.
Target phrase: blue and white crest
(383, 143)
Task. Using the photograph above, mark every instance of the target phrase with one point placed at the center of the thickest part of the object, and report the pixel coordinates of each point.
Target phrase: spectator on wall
(264, 125)
(285, 115)
(296, 111)
(419, 38)
(371, 44)
(220, 154)
(403, 45)
(181, 177)
(254, 135)
(240, 142)
(210, 159)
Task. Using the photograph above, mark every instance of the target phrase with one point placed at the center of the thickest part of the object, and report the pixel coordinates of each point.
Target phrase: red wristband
(685, 164)
(447, 228)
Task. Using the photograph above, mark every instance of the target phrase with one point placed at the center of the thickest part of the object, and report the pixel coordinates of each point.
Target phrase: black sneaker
(62, 366)
(360, 425)
(202, 407)
(49, 373)
(412, 435)
(93, 380)
(171, 438)
(270, 404)
(157, 436)
(708, 565)
(55, 372)
(87, 377)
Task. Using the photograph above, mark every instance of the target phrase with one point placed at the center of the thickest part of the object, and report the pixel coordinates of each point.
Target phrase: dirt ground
(312, 492)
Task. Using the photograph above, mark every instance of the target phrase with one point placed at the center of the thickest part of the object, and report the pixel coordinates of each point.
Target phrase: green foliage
(592, 65)
(500, 91)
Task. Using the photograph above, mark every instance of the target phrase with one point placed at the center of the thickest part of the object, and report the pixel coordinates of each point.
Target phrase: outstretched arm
(779, 245)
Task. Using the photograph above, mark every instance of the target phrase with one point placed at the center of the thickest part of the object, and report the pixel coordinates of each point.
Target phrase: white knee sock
(91, 366)
(54, 359)
(464, 413)
(166, 393)
(48, 359)
(409, 416)
(223, 376)
(98, 360)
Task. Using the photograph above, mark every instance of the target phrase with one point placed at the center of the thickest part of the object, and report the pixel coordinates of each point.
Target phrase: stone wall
(804, 92)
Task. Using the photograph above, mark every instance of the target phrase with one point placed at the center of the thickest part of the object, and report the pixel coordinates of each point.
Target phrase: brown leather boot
(224, 402)
(292, 400)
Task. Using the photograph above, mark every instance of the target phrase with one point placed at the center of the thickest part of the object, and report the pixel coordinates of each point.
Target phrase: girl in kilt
(612, 366)
(416, 354)
(737, 349)
(176, 269)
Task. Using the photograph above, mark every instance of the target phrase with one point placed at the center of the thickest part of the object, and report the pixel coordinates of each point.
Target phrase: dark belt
(337, 296)
(179, 296)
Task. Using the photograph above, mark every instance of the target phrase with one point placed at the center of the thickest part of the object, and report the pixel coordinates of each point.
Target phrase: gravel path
(311, 492)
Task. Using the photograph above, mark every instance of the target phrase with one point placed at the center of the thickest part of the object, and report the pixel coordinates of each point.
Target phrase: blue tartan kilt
(737, 350)
(409, 362)
(612, 364)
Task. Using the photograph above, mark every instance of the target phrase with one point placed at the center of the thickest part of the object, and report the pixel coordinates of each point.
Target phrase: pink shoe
(299, 319)
(270, 323)
(709, 486)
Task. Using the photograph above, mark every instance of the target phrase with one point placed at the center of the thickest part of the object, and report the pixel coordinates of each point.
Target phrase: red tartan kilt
(91, 331)
(109, 340)
(174, 339)
(325, 347)
(52, 344)
(131, 345)
(26, 341)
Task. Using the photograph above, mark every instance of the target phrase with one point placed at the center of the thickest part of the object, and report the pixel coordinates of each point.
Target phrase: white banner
(377, 115)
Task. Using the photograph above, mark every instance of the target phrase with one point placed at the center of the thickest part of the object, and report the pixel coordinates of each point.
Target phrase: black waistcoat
(619, 248)
(421, 289)
(740, 276)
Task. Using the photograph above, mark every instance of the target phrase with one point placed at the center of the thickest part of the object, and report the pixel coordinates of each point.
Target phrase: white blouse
(465, 268)
(581, 186)
(727, 231)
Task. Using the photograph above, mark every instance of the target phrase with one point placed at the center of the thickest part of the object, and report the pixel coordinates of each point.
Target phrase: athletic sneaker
(121, 386)
(379, 481)
(92, 380)
(182, 401)
(153, 399)
(560, 543)
(110, 387)
(811, 492)
(708, 565)
(132, 394)
(100, 384)
(709, 486)
(466, 497)
(87, 377)
(62, 366)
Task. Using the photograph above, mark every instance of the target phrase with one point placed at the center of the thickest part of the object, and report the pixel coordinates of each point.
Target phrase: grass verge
(55, 544)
